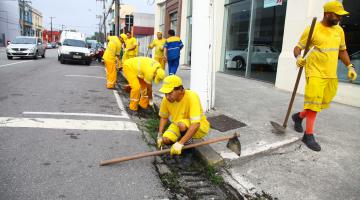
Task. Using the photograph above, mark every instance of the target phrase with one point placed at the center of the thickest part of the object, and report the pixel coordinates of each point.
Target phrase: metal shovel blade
(278, 128)
(234, 145)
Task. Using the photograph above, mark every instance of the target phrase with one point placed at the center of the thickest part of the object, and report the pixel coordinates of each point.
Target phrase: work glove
(151, 102)
(176, 149)
(300, 61)
(351, 72)
(159, 142)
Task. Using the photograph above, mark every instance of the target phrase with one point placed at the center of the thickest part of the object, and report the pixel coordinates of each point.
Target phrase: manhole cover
(224, 123)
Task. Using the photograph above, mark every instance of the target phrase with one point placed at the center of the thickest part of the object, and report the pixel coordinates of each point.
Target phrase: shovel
(233, 144)
(282, 128)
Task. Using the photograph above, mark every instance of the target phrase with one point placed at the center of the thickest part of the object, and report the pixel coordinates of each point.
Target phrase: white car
(74, 50)
(24, 46)
(261, 55)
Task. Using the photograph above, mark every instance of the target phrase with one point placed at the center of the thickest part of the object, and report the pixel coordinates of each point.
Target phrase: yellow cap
(169, 83)
(159, 32)
(160, 75)
(335, 7)
(123, 36)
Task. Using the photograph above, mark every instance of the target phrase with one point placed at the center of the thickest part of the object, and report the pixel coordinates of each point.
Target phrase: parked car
(96, 49)
(49, 46)
(74, 50)
(261, 55)
(24, 46)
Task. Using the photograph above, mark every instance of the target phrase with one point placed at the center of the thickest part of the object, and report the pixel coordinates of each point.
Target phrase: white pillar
(202, 68)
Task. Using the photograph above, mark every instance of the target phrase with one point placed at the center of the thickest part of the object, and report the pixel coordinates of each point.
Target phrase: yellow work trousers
(173, 131)
(138, 93)
(319, 92)
(111, 74)
(161, 60)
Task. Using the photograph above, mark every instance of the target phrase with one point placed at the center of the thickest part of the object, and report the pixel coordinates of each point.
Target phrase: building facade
(142, 28)
(37, 23)
(50, 36)
(9, 21)
(255, 38)
(25, 11)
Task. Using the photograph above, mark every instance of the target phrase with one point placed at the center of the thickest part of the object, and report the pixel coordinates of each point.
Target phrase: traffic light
(129, 20)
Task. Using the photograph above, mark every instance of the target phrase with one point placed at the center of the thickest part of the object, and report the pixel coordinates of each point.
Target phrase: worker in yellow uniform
(111, 53)
(130, 50)
(122, 38)
(328, 43)
(184, 111)
(159, 48)
(140, 72)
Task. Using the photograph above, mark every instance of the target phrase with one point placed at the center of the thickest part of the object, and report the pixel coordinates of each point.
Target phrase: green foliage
(212, 174)
(152, 127)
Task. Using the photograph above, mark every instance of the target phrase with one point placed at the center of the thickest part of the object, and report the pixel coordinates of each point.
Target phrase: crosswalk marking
(67, 124)
(77, 114)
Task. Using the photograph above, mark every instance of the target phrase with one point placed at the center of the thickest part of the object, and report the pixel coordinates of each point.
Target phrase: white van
(73, 48)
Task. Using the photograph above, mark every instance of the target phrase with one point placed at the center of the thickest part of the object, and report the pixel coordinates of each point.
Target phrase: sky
(81, 14)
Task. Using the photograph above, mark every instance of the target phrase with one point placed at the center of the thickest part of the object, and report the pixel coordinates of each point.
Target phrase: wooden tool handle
(156, 153)
(308, 42)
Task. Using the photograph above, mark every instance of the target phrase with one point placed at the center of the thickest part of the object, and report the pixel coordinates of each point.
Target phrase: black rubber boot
(310, 142)
(297, 122)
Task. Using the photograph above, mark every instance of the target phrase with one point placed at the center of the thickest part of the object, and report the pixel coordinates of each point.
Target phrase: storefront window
(173, 21)
(259, 26)
(351, 26)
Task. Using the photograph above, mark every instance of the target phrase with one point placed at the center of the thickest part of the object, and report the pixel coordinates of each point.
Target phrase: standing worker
(328, 41)
(183, 109)
(110, 56)
(140, 72)
(172, 49)
(130, 50)
(159, 48)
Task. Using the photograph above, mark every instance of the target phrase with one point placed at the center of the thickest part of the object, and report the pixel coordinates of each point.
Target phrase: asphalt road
(57, 122)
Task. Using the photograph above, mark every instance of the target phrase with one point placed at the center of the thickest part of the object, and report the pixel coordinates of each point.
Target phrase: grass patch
(212, 174)
(171, 181)
(152, 127)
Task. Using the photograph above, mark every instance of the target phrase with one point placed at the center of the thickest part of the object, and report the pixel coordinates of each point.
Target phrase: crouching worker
(184, 111)
(140, 72)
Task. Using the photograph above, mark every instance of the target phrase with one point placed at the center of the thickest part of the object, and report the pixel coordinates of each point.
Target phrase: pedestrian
(159, 48)
(122, 42)
(140, 72)
(130, 50)
(172, 49)
(184, 111)
(110, 56)
(328, 41)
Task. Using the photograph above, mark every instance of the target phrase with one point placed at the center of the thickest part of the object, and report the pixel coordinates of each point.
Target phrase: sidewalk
(280, 165)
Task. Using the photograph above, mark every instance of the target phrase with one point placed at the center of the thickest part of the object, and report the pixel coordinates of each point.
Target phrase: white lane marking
(120, 104)
(15, 63)
(75, 114)
(85, 76)
(67, 124)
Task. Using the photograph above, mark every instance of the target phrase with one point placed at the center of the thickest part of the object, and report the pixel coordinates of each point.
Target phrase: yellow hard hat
(169, 83)
(159, 32)
(335, 7)
(160, 75)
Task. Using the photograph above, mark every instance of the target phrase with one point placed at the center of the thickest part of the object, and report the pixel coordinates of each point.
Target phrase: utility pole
(99, 35)
(51, 31)
(117, 14)
(104, 19)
